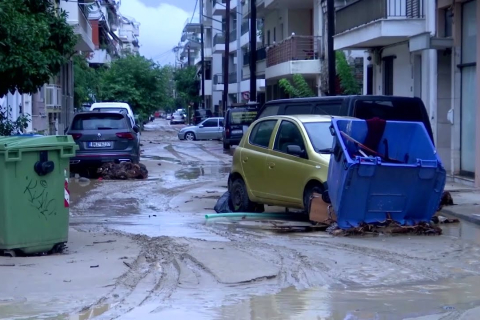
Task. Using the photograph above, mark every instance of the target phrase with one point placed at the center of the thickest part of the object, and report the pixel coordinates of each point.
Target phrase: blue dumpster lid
(28, 142)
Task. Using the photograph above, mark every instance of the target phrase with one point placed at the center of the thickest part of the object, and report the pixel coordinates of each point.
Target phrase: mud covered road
(167, 262)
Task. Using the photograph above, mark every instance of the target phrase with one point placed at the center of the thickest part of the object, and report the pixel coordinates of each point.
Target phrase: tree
(35, 41)
(187, 86)
(138, 81)
(348, 83)
(8, 127)
(86, 81)
(298, 89)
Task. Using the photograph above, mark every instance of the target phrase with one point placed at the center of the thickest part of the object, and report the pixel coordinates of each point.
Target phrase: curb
(462, 216)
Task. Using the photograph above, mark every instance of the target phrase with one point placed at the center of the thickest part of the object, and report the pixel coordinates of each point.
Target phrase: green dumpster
(34, 196)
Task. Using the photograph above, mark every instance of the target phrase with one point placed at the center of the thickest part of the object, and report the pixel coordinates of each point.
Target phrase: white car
(169, 117)
(121, 107)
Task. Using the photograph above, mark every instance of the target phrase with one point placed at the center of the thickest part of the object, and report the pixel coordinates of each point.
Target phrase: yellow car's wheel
(239, 196)
(310, 189)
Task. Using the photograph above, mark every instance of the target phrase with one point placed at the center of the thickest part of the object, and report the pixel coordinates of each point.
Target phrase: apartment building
(427, 49)
(128, 33)
(104, 20)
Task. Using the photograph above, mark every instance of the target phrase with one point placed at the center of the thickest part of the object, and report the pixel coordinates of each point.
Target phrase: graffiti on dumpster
(37, 195)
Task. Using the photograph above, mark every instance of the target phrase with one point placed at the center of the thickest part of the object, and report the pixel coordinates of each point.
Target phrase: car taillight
(76, 136)
(125, 135)
(227, 132)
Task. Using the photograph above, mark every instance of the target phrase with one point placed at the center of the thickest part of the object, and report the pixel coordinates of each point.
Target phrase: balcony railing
(218, 78)
(218, 39)
(84, 23)
(53, 96)
(362, 12)
(232, 77)
(294, 48)
(261, 55)
(245, 27)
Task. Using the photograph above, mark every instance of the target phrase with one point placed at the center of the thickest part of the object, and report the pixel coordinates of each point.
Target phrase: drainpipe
(239, 51)
(431, 54)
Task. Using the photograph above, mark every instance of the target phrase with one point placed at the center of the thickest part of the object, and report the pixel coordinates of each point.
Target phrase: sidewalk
(466, 200)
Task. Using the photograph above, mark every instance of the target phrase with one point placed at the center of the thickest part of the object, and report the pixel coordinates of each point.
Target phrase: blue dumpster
(383, 169)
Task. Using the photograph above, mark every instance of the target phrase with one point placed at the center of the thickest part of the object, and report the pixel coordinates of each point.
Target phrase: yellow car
(280, 161)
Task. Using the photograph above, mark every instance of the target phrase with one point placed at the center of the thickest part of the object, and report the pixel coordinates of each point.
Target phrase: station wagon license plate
(237, 131)
(102, 144)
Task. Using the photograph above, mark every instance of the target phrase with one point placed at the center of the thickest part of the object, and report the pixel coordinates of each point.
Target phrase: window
(99, 122)
(221, 122)
(298, 109)
(448, 18)
(268, 37)
(319, 134)
(261, 133)
(242, 117)
(330, 108)
(210, 123)
(288, 135)
(270, 110)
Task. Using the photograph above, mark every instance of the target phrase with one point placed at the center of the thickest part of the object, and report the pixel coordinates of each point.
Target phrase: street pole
(253, 50)
(225, 60)
(188, 55)
(202, 54)
(238, 12)
(332, 74)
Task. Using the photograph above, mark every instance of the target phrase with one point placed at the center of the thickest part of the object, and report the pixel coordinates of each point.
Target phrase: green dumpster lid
(19, 142)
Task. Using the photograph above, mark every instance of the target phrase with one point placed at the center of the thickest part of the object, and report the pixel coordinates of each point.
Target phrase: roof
(306, 118)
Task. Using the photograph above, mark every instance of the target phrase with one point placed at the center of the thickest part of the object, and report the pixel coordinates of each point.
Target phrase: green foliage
(9, 127)
(138, 81)
(86, 81)
(348, 83)
(35, 41)
(186, 86)
(298, 89)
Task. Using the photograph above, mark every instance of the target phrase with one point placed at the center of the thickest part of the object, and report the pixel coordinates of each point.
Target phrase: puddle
(166, 159)
(379, 303)
(463, 230)
(197, 172)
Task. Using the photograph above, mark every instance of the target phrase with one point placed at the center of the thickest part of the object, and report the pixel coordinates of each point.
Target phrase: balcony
(365, 24)
(260, 9)
(218, 43)
(296, 54)
(100, 56)
(218, 84)
(208, 87)
(78, 19)
(219, 7)
(192, 26)
(261, 63)
(53, 98)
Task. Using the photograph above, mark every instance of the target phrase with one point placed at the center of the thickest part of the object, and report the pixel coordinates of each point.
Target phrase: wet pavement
(187, 267)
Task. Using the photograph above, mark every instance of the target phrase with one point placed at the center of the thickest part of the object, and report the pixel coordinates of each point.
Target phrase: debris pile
(123, 171)
(446, 200)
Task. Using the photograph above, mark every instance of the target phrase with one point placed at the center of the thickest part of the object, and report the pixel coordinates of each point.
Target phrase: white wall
(402, 72)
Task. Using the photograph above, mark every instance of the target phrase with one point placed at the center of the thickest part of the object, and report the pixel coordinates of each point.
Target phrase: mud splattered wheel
(240, 200)
(307, 195)
(190, 136)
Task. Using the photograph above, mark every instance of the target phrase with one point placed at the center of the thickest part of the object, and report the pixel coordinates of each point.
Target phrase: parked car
(280, 161)
(362, 107)
(177, 118)
(114, 107)
(210, 128)
(169, 117)
(103, 137)
(200, 115)
(237, 121)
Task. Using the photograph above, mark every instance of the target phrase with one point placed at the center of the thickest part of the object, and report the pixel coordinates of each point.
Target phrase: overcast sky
(161, 25)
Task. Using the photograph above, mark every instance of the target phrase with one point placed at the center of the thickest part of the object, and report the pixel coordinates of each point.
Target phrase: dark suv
(237, 120)
(200, 115)
(362, 107)
(103, 137)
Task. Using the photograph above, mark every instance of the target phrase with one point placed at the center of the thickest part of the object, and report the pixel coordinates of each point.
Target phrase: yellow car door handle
(245, 159)
(271, 165)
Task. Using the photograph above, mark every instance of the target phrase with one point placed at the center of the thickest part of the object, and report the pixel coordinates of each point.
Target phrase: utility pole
(332, 74)
(253, 50)
(188, 55)
(225, 61)
(238, 14)
(202, 54)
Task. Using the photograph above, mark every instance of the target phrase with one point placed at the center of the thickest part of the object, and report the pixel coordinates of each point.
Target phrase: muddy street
(144, 250)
